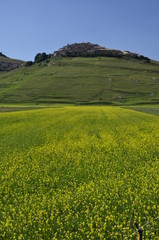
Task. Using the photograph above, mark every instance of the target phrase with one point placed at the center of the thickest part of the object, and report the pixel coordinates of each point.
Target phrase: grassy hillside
(82, 80)
(7, 60)
(78, 173)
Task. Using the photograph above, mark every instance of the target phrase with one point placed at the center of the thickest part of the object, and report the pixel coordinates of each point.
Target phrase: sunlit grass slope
(82, 80)
(78, 173)
(8, 60)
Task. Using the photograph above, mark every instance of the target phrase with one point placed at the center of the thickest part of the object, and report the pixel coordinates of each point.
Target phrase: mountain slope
(8, 64)
(82, 80)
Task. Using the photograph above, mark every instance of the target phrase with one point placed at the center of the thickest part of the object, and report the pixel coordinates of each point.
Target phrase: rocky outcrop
(8, 64)
(94, 50)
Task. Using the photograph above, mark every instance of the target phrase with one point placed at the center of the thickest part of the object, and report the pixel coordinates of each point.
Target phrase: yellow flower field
(79, 173)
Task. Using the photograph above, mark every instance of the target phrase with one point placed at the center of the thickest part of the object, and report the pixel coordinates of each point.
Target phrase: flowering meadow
(79, 173)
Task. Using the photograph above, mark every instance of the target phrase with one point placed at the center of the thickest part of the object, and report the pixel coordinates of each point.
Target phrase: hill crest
(2, 55)
(94, 50)
(8, 64)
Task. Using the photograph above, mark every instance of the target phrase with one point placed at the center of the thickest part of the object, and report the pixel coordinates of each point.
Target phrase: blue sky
(31, 26)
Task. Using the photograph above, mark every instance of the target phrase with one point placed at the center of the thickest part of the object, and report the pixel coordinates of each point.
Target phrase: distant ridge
(8, 64)
(2, 55)
(94, 50)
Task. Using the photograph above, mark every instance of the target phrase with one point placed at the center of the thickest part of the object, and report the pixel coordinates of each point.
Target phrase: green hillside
(82, 80)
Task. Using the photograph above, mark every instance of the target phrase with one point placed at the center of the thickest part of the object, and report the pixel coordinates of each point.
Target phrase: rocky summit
(94, 50)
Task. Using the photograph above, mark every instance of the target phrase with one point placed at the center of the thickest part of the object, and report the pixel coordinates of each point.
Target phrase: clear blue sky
(31, 26)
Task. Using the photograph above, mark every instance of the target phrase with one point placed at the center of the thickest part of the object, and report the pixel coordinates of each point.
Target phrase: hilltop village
(72, 50)
(94, 50)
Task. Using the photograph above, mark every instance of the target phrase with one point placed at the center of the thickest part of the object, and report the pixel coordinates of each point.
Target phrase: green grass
(7, 60)
(78, 173)
(82, 81)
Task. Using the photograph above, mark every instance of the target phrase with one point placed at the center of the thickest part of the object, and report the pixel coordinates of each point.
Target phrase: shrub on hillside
(28, 63)
(40, 57)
